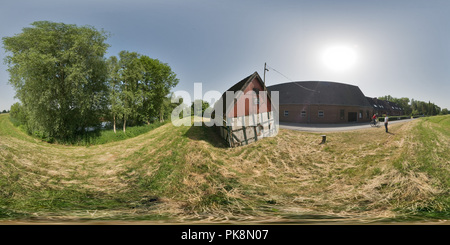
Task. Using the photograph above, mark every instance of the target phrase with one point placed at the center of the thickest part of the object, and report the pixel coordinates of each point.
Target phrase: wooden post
(229, 136)
(245, 135)
(324, 139)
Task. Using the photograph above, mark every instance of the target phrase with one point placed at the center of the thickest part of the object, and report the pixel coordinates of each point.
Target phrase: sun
(339, 58)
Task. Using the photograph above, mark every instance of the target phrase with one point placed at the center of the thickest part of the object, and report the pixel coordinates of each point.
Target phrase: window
(342, 114)
(321, 114)
(286, 113)
(303, 114)
(360, 114)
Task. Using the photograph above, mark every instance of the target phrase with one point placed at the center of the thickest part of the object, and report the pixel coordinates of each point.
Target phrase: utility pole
(265, 69)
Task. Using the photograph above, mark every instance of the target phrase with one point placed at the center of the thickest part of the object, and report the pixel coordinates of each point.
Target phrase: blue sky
(402, 47)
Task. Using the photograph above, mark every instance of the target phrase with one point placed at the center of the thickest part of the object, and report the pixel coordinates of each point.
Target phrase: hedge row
(394, 118)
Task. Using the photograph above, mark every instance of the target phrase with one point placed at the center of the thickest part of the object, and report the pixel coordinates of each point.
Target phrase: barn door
(352, 116)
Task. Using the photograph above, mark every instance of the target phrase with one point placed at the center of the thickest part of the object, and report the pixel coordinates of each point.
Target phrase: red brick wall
(251, 108)
(331, 113)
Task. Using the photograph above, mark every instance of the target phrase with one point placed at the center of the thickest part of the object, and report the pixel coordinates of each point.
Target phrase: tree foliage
(424, 108)
(18, 114)
(198, 107)
(139, 88)
(59, 75)
(444, 111)
(65, 85)
(130, 74)
(157, 82)
(415, 107)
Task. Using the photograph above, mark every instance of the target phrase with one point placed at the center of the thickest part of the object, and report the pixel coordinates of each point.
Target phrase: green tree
(18, 114)
(169, 107)
(59, 74)
(148, 109)
(158, 80)
(198, 107)
(131, 72)
(114, 85)
(139, 87)
(444, 111)
(424, 108)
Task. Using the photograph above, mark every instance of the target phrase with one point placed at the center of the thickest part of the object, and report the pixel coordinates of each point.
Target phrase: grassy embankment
(186, 173)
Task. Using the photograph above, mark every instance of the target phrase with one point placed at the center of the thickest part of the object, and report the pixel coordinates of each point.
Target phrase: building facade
(322, 102)
(244, 113)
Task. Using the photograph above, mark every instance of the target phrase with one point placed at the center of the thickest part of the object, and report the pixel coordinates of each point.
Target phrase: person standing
(386, 121)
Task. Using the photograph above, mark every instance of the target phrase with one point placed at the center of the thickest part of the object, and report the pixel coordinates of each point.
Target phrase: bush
(99, 137)
(394, 118)
(17, 115)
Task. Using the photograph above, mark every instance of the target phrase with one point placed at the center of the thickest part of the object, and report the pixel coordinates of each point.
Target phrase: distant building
(322, 102)
(383, 107)
(248, 115)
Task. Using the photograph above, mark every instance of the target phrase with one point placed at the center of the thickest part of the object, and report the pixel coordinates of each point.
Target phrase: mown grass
(432, 158)
(187, 173)
(35, 177)
(88, 138)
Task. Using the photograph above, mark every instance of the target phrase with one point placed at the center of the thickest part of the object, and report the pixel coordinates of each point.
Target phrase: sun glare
(339, 57)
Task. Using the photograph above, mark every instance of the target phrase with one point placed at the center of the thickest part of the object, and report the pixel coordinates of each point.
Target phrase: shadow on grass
(205, 133)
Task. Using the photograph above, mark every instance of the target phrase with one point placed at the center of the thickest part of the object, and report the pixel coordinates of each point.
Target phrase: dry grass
(186, 174)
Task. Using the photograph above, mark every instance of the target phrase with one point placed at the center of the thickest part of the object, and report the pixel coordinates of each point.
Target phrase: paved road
(320, 128)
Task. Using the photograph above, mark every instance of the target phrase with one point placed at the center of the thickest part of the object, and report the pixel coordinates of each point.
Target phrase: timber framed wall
(247, 112)
(244, 130)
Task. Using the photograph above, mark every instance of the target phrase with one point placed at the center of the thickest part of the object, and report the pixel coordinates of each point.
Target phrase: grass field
(186, 174)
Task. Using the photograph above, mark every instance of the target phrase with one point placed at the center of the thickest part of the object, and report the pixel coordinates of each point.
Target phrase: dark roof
(383, 104)
(319, 93)
(241, 85)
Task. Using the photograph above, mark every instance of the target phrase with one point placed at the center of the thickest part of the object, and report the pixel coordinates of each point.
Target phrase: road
(321, 128)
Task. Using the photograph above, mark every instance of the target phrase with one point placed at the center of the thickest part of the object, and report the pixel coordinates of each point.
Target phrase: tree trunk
(114, 125)
(124, 123)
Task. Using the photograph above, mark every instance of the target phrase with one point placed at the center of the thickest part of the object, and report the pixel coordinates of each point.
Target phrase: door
(352, 116)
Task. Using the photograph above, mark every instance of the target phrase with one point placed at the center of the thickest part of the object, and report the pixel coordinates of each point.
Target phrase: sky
(399, 47)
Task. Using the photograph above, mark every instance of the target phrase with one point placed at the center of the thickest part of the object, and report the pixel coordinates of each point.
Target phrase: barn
(322, 102)
(245, 112)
